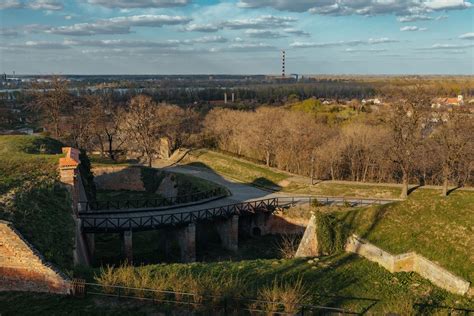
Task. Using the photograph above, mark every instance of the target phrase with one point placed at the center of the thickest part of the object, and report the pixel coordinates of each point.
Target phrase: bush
(281, 297)
(288, 245)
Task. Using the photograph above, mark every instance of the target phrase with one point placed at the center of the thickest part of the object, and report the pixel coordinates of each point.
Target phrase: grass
(346, 190)
(343, 281)
(33, 199)
(236, 168)
(270, 178)
(439, 228)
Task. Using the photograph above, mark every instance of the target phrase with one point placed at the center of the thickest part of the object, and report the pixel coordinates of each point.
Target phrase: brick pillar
(127, 245)
(229, 233)
(187, 242)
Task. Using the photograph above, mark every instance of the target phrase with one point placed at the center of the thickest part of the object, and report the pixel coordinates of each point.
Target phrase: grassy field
(32, 198)
(441, 229)
(238, 169)
(259, 175)
(343, 281)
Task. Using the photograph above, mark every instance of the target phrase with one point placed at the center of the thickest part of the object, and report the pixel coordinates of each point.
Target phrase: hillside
(32, 198)
(441, 229)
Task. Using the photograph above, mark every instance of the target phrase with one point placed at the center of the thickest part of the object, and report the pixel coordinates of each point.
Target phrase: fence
(285, 201)
(86, 206)
(202, 302)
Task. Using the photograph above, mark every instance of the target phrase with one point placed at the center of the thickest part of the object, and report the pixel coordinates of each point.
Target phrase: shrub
(279, 296)
(288, 245)
(107, 279)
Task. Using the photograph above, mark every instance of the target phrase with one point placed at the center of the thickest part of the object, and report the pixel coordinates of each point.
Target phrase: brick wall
(22, 268)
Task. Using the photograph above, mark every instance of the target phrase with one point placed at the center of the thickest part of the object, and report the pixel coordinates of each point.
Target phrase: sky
(237, 36)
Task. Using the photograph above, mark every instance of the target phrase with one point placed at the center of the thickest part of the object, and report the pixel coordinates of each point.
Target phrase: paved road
(240, 193)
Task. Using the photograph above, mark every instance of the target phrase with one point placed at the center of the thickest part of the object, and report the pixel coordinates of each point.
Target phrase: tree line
(403, 141)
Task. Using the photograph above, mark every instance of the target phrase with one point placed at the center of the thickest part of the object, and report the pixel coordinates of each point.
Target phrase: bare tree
(141, 125)
(106, 118)
(406, 125)
(53, 102)
(454, 138)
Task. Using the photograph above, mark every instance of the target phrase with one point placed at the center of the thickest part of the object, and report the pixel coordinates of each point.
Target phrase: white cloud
(359, 7)
(468, 36)
(129, 4)
(118, 25)
(420, 17)
(296, 32)
(370, 50)
(8, 32)
(263, 34)
(262, 22)
(50, 5)
(412, 28)
(371, 41)
(11, 4)
(205, 28)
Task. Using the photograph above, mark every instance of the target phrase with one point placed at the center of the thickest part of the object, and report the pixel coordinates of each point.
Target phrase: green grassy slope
(31, 195)
(439, 228)
(260, 175)
(340, 281)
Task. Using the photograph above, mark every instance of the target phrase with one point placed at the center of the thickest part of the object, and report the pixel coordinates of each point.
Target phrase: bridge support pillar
(127, 245)
(187, 242)
(229, 233)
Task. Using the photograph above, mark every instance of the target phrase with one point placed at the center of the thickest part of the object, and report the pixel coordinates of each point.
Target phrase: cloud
(118, 25)
(420, 17)
(205, 40)
(45, 5)
(205, 28)
(412, 28)
(296, 32)
(128, 4)
(371, 41)
(245, 47)
(359, 7)
(262, 22)
(8, 32)
(467, 36)
(370, 50)
(11, 4)
(67, 17)
(50, 5)
(439, 46)
(263, 34)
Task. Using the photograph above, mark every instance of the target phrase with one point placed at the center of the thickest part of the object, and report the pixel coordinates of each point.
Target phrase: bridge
(243, 208)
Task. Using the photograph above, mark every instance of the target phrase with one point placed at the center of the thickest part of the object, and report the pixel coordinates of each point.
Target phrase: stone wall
(130, 178)
(409, 262)
(309, 246)
(22, 268)
(118, 178)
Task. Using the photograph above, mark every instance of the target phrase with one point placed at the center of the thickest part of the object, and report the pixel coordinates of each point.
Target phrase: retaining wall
(22, 268)
(408, 262)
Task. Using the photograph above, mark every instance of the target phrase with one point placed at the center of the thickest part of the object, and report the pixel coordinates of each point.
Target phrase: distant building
(440, 102)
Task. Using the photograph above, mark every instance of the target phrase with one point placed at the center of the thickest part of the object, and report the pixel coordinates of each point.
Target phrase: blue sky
(237, 36)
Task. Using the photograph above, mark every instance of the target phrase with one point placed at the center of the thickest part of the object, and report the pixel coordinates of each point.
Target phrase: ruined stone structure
(22, 268)
(409, 262)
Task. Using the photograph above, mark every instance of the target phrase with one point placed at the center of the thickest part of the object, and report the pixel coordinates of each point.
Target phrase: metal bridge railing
(86, 206)
(118, 222)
